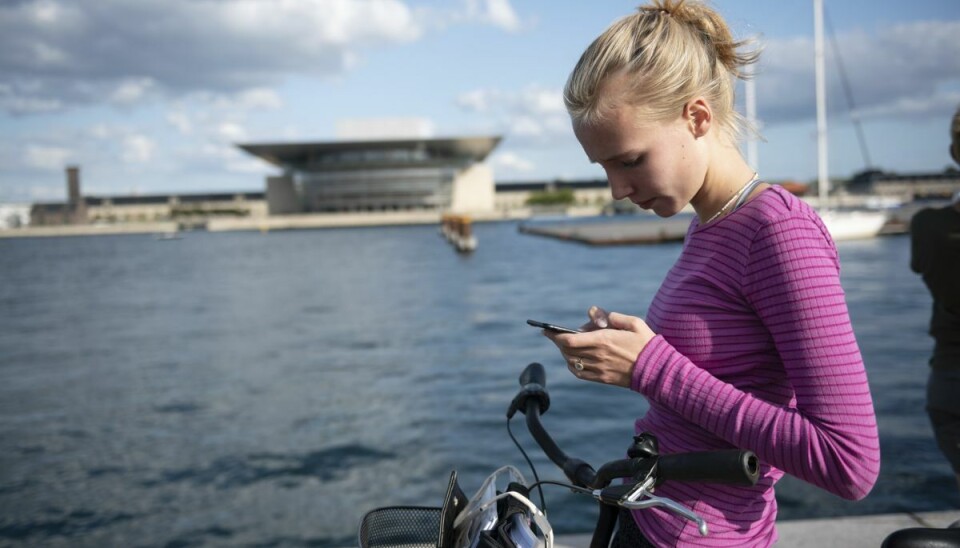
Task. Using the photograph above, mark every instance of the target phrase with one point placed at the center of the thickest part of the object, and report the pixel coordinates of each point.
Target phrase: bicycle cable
(569, 486)
(543, 502)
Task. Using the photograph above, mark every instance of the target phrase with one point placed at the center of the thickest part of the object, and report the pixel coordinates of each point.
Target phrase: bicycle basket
(400, 527)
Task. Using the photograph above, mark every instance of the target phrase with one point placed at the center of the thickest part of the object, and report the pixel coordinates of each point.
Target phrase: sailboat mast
(750, 99)
(823, 181)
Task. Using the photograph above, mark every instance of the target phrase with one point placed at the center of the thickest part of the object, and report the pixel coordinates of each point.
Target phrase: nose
(619, 186)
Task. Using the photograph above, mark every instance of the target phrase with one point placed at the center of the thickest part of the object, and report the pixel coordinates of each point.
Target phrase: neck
(722, 181)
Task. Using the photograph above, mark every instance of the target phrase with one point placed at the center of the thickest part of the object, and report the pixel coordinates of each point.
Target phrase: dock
(615, 231)
(849, 532)
(648, 229)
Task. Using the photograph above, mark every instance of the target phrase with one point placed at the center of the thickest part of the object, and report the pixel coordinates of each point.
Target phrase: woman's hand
(607, 349)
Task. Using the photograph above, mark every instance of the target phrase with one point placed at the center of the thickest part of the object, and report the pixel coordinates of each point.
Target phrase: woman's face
(659, 166)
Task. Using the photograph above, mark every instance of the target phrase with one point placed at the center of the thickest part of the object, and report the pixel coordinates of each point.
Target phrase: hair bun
(710, 27)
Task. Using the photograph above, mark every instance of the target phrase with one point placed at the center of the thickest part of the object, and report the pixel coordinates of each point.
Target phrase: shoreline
(280, 222)
(642, 231)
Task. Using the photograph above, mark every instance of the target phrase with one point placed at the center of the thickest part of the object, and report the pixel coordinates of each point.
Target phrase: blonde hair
(670, 51)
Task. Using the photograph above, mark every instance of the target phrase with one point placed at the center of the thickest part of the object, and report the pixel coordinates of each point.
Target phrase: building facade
(906, 187)
(386, 175)
(591, 192)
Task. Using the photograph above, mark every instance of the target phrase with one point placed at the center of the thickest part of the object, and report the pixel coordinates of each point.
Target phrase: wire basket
(400, 527)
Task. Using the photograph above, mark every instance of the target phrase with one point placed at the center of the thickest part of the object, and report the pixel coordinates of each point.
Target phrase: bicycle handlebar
(734, 466)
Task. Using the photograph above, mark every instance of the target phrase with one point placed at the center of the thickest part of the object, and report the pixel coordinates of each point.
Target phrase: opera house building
(386, 175)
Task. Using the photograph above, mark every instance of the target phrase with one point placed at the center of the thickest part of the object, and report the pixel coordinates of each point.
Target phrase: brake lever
(631, 501)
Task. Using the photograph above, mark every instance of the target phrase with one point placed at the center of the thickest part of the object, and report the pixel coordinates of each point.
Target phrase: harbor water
(249, 389)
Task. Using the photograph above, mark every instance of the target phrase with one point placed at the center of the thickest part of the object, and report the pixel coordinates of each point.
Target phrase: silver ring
(578, 364)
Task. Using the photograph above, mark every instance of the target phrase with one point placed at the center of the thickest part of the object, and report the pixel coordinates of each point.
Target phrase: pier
(616, 231)
(848, 532)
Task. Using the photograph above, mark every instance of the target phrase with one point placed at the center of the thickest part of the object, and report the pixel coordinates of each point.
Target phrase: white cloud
(180, 120)
(260, 99)
(100, 131)
(525, 126)
(513, 162)
(532, 99)
(533, 115)
(48, 158)
(137, 149)
(496, 12)
(55, 54)
(20, 104)
(543, 101)
(87, 52)
(231, 132)
(478, 100)
(902, 70)
(131, 90)
(923, 105)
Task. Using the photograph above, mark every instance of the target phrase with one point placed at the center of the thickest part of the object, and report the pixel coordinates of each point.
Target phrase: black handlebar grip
(535, 374)
(733, 467)
(533, 382)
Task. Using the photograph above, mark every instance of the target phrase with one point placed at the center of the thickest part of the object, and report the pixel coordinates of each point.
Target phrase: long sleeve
(828, 437)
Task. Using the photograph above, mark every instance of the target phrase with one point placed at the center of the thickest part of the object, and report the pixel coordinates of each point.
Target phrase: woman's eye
(633, 163)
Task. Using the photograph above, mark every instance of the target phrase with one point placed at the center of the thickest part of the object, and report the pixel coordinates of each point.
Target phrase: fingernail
(599, 316)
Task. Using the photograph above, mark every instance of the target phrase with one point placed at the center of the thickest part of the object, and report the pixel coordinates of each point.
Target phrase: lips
(647, 204)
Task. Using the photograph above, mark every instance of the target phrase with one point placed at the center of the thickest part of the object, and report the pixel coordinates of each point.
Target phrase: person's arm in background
(917, 260)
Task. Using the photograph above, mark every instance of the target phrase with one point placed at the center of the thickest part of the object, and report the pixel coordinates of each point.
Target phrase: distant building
(906, 188)
(385, 175)
(418, 175)
(186, 209)
(14, 215)
(590, 192)
(71, 212)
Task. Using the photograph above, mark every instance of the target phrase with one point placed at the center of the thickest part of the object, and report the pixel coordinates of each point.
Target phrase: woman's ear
(698, 116)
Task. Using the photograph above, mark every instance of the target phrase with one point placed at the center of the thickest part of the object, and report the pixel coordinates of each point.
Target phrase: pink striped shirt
(754, 349)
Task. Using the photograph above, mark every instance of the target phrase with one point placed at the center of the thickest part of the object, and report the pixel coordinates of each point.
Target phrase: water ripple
(233, 472)
(77, 522)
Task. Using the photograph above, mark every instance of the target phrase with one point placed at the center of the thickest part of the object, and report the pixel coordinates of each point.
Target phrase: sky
(152, 96)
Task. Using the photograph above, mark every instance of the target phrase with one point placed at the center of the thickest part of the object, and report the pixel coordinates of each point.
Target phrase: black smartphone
(551, 327)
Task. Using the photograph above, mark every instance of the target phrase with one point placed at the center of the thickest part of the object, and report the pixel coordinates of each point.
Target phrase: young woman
(748, 342)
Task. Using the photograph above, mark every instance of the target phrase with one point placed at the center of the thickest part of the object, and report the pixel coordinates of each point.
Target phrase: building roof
(373, 154)
(154, 199)
(535, 186)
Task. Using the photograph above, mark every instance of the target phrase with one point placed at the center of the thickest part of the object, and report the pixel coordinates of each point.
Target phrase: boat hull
(853, 225)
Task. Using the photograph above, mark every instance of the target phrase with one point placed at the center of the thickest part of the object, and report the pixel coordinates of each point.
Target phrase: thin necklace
(733, 198)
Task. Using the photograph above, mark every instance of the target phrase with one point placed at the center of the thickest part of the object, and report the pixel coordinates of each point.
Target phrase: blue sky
(151, 96)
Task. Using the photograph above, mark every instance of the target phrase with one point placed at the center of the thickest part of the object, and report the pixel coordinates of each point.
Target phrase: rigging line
(848, 92)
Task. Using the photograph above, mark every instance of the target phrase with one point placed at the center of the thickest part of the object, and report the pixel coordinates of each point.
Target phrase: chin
(666, 210)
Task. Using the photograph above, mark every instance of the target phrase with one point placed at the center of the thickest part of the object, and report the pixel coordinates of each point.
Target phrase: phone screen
(552, 327)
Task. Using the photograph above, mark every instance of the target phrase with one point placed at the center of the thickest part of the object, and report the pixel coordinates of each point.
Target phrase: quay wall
(89, 230)
(899, 220)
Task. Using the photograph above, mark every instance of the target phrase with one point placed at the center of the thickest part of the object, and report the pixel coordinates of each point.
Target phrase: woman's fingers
(598, 317)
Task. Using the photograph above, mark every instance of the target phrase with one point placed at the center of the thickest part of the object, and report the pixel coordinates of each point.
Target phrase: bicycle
(924, 537)
(644, 470)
